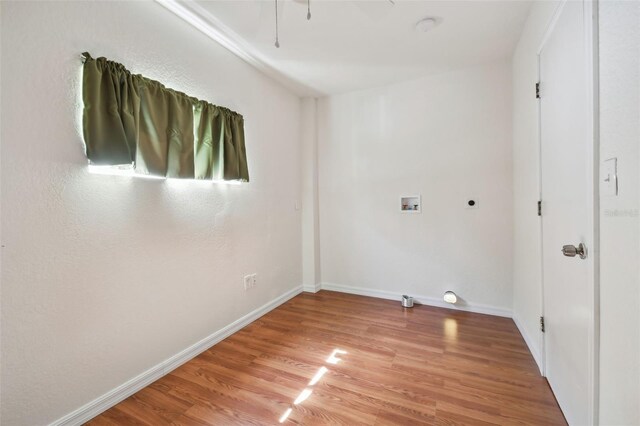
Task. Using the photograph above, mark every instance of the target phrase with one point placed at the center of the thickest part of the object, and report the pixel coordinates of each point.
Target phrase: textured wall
(103, 276)
(619, 216)
(446, 137)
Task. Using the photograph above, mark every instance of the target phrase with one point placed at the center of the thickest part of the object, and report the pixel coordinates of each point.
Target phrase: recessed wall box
(410, 204)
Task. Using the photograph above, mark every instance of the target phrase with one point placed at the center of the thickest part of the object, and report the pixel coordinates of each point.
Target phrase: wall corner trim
(535, 351)
(118, 394)
(312, 288)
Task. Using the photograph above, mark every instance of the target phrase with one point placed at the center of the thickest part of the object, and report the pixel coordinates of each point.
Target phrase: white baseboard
(111, 398)
(312, 288)
(531, 343)
(423, 300)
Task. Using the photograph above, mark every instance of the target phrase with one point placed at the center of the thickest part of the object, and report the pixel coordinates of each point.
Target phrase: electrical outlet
(248, 282)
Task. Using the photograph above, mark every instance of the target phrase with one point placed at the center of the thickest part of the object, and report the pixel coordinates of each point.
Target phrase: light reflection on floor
(451, 328)
(306, 392)
(303, 396)
(318, 376)
(285, 415)
(332, 358)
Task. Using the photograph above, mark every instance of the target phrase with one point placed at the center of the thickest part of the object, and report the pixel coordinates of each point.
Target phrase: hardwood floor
(379, 364)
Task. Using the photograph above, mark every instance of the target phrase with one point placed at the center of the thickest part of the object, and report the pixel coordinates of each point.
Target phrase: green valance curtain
(130, 119)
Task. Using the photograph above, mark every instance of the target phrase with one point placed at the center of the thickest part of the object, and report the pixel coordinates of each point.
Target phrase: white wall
(527, 273)
(104, 277)
(1, 239)
(446, 137)
(310, 219)
(619, 216)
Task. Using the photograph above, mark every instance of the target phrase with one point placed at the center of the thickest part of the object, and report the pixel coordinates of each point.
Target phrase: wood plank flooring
(373, 363)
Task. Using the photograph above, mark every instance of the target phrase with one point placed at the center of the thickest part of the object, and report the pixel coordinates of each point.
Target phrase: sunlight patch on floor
(306, 392)
(318, 376)
(333, 359)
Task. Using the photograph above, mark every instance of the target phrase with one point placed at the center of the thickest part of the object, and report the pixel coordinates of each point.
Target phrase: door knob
(572, 251)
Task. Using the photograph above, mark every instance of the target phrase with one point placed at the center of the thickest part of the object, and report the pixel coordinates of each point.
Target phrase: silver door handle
(572, 251)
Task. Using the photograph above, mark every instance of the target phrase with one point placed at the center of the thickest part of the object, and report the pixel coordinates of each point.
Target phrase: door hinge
(542, 324)
(539, 208)
(538, 90)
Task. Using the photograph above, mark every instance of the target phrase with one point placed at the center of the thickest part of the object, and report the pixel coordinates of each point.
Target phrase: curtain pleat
(111, 112)
(131, 119)
(235, 158)
(209, 124)
(165, 142)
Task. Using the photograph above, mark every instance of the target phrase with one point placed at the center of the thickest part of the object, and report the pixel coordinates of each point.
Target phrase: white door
(567, 210)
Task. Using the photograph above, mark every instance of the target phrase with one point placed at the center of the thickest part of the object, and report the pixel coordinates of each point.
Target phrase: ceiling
(351, 45)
